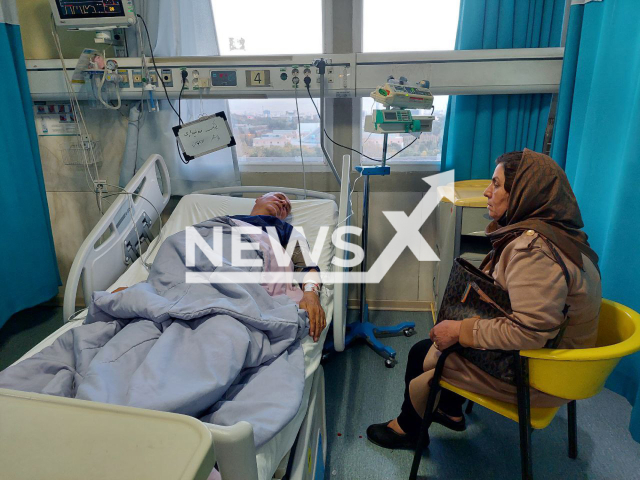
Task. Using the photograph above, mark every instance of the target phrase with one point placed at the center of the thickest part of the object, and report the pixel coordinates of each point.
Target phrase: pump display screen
(90, 8)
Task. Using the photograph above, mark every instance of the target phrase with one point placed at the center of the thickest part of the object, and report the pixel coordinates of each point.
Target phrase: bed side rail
(297, 192)
(112, 245)
(341, 289)
(235, 451)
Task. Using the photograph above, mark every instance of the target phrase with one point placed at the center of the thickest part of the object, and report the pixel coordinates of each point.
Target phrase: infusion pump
(403, 96)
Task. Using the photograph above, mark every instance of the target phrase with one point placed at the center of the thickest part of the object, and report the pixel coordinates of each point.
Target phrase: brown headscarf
(541, 199)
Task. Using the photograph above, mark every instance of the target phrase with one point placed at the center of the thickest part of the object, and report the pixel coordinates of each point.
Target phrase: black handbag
(472, 293)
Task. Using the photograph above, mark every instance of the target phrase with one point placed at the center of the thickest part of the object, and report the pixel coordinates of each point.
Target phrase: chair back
(581, 373)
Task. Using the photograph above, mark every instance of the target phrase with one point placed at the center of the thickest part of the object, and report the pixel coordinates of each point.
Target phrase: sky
(282, 26)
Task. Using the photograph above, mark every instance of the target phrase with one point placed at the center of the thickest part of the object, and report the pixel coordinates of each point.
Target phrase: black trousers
(450, 403)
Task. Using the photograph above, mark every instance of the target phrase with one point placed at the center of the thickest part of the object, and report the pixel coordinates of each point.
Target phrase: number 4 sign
(258, 78)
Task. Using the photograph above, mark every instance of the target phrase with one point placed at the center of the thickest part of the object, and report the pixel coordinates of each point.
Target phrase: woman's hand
(445, 334)
(317, 321)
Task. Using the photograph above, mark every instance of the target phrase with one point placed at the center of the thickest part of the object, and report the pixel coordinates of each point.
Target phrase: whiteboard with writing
(204, 135)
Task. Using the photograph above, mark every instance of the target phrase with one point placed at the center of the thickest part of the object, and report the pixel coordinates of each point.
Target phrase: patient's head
(274, 203)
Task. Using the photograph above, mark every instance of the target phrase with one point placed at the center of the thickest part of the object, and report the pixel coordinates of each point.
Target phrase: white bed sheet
(193, 209)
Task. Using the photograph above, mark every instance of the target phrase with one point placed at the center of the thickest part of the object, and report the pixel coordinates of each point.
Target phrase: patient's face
(275, 204)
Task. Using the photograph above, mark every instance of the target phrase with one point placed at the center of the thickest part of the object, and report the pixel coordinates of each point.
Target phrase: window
(436, 29)
(433, 27)
(266, 131)
(258, 27)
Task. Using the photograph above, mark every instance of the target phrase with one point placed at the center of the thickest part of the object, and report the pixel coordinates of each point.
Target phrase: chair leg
(469, 407)
(573, 429)
(524, 416)
(428, 413)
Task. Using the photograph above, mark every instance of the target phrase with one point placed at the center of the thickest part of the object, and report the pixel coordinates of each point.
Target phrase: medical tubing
(153, 60)
(304, 173)
(75, 105)
(348, 148)
(111, 107)
(77, 111)
(353, 188)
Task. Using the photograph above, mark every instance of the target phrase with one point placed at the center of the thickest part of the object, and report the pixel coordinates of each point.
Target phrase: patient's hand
(317, 321)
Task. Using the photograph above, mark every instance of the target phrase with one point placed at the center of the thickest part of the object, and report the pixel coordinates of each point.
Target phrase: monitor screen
(78, 9)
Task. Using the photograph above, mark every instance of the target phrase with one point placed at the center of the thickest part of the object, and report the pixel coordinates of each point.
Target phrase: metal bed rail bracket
(133, 241)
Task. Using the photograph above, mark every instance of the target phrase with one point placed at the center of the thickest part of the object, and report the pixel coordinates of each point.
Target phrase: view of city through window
(266, 131)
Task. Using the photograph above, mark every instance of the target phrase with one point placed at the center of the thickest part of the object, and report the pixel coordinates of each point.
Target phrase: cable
(153, 60)
(352, 149)
(304, 173)
(179, 100)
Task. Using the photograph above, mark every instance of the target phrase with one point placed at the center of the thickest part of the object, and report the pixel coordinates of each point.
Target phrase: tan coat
(538, 292)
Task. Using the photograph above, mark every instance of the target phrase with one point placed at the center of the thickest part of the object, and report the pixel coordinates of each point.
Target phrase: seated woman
(530, 201)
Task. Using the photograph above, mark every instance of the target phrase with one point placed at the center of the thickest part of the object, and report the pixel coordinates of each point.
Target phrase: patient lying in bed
(221, 352)
(271, 210)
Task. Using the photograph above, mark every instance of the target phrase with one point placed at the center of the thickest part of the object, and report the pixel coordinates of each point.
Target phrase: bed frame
(113, 245)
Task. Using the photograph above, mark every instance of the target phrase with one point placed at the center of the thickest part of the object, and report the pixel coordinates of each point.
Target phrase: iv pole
(363, 329)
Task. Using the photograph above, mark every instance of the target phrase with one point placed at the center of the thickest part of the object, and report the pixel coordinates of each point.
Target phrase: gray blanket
(219, 352)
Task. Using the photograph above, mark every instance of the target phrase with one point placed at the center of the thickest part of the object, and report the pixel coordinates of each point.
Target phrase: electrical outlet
(204, 82)
(153, 79)
(124, 78)
(137, 79)
(167, 77)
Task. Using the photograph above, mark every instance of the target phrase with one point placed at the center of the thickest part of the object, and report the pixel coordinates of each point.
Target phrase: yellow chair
(573, 374)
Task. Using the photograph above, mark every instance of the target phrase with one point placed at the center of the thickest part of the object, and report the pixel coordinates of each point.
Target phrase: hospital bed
(109, 258)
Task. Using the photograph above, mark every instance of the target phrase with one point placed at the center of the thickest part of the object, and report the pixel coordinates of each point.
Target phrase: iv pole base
(367, 331)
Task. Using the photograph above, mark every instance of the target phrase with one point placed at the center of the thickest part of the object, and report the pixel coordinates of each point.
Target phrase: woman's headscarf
(541, 199)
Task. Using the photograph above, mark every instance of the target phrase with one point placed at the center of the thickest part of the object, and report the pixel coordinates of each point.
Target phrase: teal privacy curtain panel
(480, 128)
(597, 139)
(28, 262)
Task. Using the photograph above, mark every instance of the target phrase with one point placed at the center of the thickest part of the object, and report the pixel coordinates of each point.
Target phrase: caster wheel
(390, 362)
(408, 332)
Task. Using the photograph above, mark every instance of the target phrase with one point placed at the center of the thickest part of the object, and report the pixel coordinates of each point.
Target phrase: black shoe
(383, 436)
(444, 420)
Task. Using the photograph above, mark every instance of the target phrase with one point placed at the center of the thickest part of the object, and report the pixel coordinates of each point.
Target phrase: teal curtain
(597, 138)
(479, 128)
(28, 261)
